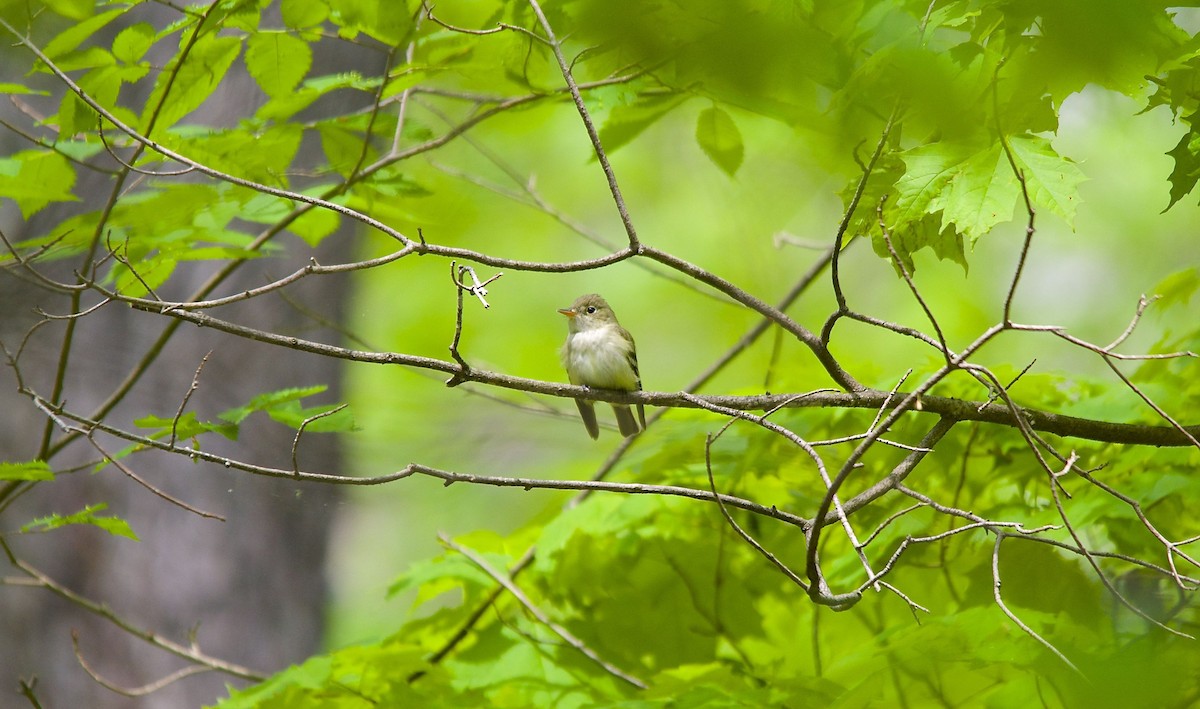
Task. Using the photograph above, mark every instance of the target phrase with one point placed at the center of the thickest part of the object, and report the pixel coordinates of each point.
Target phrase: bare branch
(145, 689)
(152, 488)
(191, 654)
(912, 287)
(560, 631)
(300, 432)
(1000, 537)
(712, 485)
(593, 134)
(188, 395)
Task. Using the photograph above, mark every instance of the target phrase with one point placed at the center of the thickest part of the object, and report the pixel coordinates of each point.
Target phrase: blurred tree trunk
(251, 588)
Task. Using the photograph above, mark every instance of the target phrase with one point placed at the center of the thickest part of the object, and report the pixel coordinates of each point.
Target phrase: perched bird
(599, 353)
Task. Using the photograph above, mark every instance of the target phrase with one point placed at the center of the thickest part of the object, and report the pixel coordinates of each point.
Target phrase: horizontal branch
(946, 407)
(446, 476)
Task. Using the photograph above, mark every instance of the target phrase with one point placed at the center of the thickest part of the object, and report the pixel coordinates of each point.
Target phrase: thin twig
(912, 287)
(460, 376)
(300, 432)
(1000, 537)
(191, 654)
(188, 395)
(508, 584)
(712, 485)
(141, 691)
(589, 126)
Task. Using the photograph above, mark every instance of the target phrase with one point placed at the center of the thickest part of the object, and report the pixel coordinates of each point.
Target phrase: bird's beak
(568, 312)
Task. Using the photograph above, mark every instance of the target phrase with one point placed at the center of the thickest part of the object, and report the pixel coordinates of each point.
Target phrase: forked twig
(300, 432)
(141, 691)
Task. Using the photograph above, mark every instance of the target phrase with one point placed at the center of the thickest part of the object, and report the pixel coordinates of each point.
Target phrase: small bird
(599, 353)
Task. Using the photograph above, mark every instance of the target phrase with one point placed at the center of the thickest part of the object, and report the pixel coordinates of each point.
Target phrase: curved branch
(191, 654)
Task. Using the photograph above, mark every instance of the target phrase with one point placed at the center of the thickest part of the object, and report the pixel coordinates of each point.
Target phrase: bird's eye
(591, 309)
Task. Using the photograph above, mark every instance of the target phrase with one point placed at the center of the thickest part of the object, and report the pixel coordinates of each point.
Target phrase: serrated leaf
(26, 470)
(133, 42)
(69, 39)
(1052, 180)
(113, 525)
(261, 153)
(148, 274)
(980, 194)
(291, 414)
(35, 178)
(973, 190)
(269, 401)
(928, 170)
(342, 147)
(315, 224)
(906, 240)
(303, 13)
(203, 70)
(720, 139)
(277, 61)
(284, 107)
(387, 22)
(188, 425)
(1179, 287)
(1186, 172)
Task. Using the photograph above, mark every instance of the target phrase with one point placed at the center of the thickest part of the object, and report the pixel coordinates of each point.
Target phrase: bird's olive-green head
(588, 312)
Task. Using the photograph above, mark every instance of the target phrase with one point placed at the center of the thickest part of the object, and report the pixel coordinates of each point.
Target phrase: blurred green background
(1087, 280)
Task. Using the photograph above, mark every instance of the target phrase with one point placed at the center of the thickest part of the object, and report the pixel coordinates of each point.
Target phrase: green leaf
(356, 677)
(947, 244)
(387, 22)
(343, 148)
(291, 414)
(26, 470)
(627, 122)
(149, 273)
(1178, 288)
(133, 42)
(315, 224)
(113, 525)
(981, 194)
(928, 170)
(277, 61)
(268, 402)
(69, 39)
(72, 9)
(14, 89)
(34, 179)
(102, 85)
(1052, 180)
(431, 578)
(1186, 172)
(974, 190)
(188, 425)
(203, 69)
(720, 139)
(255, 152)
(303, 13)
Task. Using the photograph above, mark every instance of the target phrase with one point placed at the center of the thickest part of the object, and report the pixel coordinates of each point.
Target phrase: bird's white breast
(599, 358)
